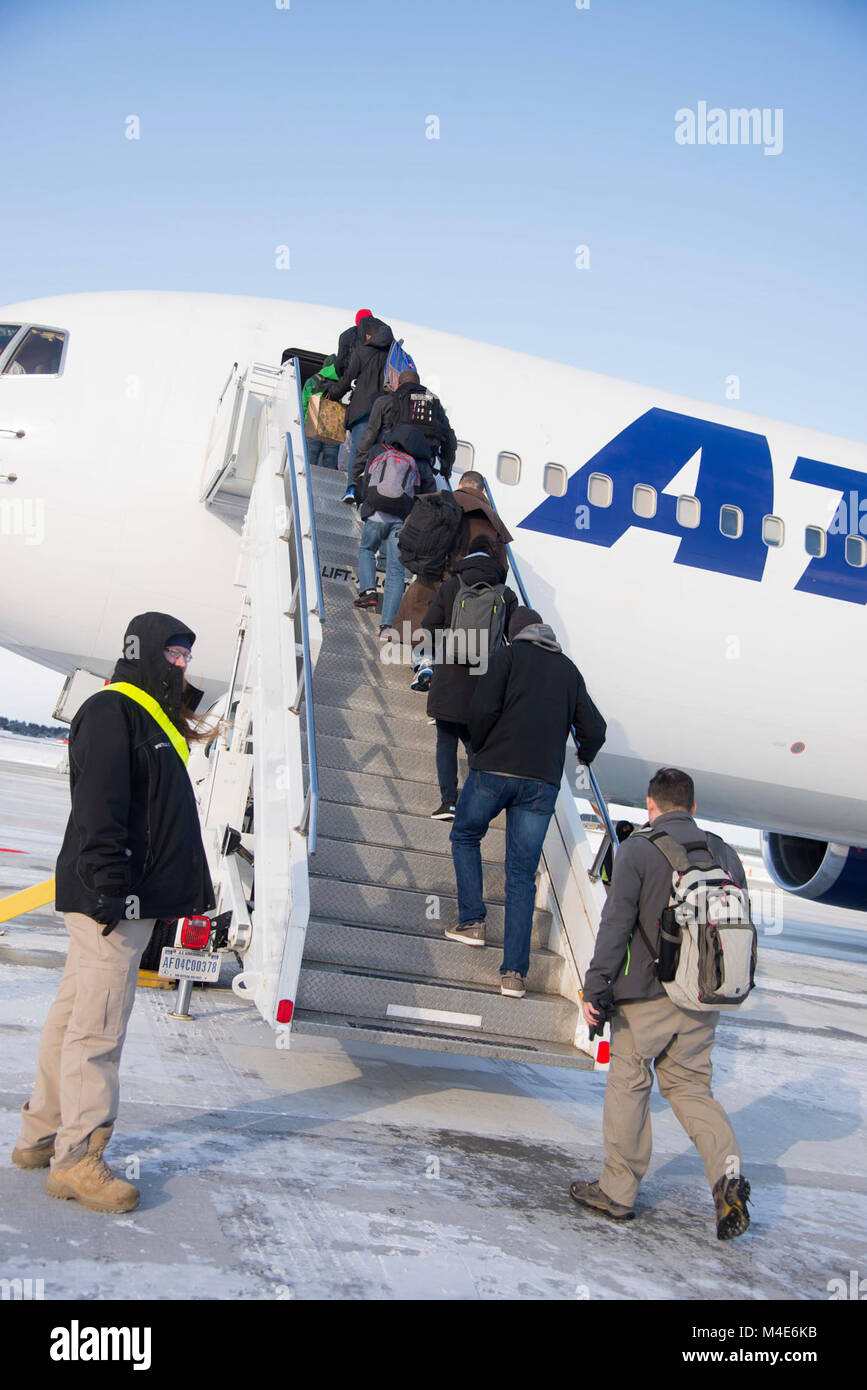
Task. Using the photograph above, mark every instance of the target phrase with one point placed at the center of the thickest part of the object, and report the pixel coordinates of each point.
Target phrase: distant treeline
(26, 730)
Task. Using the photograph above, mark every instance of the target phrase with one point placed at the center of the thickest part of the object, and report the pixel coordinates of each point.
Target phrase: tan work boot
(38, 1156)
(91, 1183)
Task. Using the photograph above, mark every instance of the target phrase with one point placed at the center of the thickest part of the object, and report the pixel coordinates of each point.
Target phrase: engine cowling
(817, 869)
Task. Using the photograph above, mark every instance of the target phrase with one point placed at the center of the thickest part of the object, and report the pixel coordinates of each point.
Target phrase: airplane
(703, 566)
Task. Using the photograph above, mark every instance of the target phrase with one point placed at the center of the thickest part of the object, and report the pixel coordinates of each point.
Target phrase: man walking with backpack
(364, 373)
(639, 966)
(520, 717)
(389, 486)
(476, 605)
(410, 404)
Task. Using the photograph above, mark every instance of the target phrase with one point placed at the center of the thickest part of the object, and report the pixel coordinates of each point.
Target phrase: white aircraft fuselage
(735, 659)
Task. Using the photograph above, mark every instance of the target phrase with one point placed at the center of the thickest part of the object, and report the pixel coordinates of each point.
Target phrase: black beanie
(521, 618)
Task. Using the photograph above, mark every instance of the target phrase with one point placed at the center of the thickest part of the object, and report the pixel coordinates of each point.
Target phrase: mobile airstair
(316, 801)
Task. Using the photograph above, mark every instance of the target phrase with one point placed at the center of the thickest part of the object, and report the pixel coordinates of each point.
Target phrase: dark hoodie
(133, 845)
(524, 707)
(453, 686)
(410, 441)
(365, 368)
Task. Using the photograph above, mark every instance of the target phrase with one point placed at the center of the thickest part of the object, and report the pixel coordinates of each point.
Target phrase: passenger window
(644, 500)
(600, 490)
(554, 479)
(731, 522)
(464, 457)
(856, 551)
(508, 468)
(38, 354)
(688, 512)
(815, 542)
(773, 530)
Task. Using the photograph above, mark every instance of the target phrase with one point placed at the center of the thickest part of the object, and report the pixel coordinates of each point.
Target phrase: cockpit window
(38, 354)
(7, 333)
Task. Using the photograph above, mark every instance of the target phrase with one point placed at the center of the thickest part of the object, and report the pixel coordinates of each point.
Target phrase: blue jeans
(356, 430)
(325, 455)
(448, 735)
(529, 806)
(373, 535)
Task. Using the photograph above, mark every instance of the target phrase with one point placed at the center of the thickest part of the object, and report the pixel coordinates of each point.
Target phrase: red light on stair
(285, 1010)
(603, 1054)
(195, 932)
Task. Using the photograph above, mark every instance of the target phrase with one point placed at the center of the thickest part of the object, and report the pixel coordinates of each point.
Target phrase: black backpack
(429, 534)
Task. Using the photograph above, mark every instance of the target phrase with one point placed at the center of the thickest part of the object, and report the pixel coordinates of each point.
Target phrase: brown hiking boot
(590, 1194)
(38, 1156)
(91, 1183)
(731, 1196)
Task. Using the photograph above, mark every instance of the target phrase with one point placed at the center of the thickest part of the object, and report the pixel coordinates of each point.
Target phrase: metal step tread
(397, 830)
(440, 1038)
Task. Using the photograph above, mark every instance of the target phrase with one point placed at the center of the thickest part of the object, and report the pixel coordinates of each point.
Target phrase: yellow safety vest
(156, 712)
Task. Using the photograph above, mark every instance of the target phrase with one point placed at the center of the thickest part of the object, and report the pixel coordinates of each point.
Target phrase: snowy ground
(378, 1172)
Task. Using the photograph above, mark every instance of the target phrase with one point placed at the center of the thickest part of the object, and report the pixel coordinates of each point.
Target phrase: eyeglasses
(176, 654)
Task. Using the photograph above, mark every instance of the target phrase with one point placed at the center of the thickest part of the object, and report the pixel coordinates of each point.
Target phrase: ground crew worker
(649, 1031)
(132, 852)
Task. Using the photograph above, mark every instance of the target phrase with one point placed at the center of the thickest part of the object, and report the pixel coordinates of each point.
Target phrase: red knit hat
(362, 314)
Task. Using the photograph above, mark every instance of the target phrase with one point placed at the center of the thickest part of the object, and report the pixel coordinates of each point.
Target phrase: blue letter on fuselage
(735, 469)
(831, 577)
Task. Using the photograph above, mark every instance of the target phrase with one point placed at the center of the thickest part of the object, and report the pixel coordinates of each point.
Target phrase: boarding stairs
(339, 919)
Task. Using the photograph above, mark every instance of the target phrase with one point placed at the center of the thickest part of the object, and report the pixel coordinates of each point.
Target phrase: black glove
(109, 911)
(605, 1008)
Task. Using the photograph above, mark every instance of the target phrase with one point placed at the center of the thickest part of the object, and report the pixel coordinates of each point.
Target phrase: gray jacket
(640, 890)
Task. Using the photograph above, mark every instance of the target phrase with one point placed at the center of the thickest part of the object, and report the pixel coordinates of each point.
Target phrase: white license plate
(178, 964)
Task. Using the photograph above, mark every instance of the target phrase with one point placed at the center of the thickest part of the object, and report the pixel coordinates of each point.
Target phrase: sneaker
(422, 679)
(445, 811)
(473, 934)
(590, 1194)
(512, 984)
(349, 495)
(368, 598)
(731, 1196)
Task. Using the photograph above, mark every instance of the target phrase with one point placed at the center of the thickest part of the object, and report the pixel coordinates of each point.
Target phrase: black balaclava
(143, 663)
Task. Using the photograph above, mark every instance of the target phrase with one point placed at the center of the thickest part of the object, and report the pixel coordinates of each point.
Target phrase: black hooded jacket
(453, 686)
(365, 368)
(133, 846)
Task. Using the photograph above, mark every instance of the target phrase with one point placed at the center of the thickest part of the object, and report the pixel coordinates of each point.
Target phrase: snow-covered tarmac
(336, 1171)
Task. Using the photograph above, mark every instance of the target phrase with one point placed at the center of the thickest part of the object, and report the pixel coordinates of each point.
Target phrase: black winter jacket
(365, 368)
(394, 408)
(345, 343)
(134, 826)
(640, 890)
(453, 686)
(523, 710)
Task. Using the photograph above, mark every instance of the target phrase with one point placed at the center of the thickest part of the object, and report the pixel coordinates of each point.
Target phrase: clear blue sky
(306, 126)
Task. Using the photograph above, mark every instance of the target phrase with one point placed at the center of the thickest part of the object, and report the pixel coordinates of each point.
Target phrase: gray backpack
(706, 956)
(480, 609)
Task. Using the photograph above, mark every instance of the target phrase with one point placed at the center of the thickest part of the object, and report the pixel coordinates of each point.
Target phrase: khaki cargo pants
(77, 1088)
(656, 1033)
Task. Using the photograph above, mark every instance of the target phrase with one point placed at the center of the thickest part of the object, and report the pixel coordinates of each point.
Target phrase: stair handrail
(596, 798)
(320, 597)
(310, 818)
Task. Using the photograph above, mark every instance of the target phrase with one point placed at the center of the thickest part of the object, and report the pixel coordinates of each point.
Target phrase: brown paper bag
(326, 420)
